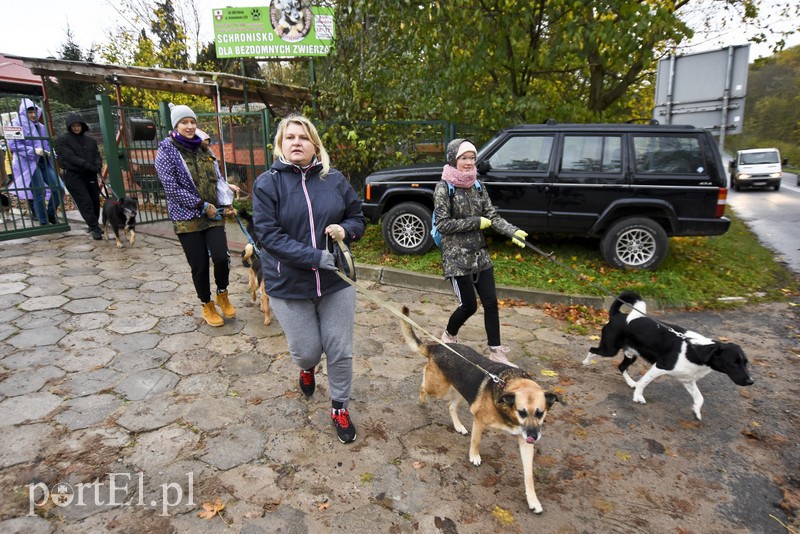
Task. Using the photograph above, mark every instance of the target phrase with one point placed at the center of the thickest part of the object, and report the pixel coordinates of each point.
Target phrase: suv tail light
(722, 199)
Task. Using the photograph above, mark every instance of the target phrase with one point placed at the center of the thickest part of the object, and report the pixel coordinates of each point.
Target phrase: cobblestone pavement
(122, 411)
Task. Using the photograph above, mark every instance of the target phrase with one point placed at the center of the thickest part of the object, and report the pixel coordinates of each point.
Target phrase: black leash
(247, 235)
(347, 272)
(604, 290)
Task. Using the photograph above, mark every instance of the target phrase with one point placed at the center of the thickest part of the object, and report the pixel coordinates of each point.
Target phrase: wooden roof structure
(226, 88)
(16, 78)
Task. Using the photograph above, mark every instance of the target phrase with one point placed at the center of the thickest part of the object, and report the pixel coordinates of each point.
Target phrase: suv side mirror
(484, 167)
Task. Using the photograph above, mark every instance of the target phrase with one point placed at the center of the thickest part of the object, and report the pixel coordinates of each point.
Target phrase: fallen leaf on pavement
(211, 509)
(504, 516)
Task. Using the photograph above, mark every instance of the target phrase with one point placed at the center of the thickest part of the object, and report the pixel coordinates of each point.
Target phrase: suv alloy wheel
(407, 229)
(634, 243)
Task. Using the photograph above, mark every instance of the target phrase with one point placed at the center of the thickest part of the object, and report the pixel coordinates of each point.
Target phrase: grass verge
(699, 272)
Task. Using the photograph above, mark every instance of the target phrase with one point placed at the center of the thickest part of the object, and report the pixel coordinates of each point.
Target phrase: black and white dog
(685, 355)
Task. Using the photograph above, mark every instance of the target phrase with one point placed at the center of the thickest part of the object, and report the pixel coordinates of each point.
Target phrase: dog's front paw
(475, 459)
(132, 237)
(119, 245)
(535, 505)
(461, 429)
(697, 413)
(638, 397)
(628, 380)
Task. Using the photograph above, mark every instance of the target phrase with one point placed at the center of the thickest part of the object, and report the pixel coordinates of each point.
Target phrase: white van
(756, 167)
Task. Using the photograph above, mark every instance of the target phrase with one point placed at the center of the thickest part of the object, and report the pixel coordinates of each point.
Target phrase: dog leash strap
(367, 293)
(343, 257)
(247, 235)
(604, 290)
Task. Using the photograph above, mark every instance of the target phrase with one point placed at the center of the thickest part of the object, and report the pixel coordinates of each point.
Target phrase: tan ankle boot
(225, 305)
(211, 316)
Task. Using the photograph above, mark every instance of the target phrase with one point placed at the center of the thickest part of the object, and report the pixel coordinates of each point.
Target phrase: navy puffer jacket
(291, 209)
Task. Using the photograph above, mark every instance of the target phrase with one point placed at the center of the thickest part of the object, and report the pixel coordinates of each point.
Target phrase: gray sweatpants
(322, 324)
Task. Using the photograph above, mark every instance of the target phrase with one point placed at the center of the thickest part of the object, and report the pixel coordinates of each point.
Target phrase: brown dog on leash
(516, 405)
(255, 281)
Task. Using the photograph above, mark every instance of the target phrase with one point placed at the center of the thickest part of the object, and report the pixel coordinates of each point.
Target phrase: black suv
(631, 185)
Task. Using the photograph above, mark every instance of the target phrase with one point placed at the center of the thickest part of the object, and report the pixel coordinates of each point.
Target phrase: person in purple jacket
(297, 205)
(197, 195)
(35, 179)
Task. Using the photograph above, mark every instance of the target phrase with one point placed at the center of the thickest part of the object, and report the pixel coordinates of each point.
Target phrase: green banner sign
(287, 28)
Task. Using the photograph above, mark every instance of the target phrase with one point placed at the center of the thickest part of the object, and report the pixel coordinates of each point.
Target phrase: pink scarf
(453, 176)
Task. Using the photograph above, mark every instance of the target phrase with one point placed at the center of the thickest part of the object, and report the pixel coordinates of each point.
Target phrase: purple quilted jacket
(183, 200)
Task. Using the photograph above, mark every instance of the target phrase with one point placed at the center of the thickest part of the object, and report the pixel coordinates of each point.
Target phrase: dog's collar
(508, 374)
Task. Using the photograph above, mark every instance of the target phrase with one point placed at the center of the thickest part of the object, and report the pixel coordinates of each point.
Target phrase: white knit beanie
(456, 147)
(177, 113)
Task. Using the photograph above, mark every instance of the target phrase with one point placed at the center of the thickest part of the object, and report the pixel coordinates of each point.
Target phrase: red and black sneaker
(345, 428)
(307, 382)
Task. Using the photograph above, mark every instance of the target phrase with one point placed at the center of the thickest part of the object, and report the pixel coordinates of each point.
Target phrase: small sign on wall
(13, 132)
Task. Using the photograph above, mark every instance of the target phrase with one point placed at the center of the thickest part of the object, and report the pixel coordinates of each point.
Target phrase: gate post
(266, 137)
(114, 156)
(166, 120)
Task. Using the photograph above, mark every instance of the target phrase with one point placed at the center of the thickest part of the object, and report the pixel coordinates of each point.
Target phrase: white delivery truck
(756, 167)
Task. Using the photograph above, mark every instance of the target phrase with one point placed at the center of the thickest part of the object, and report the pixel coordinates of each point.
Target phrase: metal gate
(32, 192)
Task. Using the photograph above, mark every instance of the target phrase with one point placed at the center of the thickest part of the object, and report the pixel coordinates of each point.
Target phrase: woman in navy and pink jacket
(297, 205)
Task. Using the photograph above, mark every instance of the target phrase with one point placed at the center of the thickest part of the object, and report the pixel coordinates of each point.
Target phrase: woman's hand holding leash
(327, 262)
(211, 211)
(335, 231)
(519, 238)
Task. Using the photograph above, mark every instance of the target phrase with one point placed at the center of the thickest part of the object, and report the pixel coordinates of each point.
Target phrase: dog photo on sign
(291, 19)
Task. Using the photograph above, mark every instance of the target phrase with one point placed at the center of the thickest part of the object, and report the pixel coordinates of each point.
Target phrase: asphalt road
(774, 216)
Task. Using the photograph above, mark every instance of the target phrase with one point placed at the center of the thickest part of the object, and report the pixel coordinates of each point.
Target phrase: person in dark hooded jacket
(80, 158)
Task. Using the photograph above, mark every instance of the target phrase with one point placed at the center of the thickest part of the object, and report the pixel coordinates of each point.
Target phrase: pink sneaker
(447, 338)
(498, 354)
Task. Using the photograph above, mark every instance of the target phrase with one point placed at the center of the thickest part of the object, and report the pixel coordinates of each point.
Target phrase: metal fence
(31, 193)
(128, 140)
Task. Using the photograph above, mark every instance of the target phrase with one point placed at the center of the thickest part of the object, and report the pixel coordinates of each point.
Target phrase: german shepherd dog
(250, 259)
(516, 405)
(121, 215)
(671, 350)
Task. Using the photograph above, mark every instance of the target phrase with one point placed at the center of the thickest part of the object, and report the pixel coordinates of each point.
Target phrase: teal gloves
(519, 237)
(485, 223)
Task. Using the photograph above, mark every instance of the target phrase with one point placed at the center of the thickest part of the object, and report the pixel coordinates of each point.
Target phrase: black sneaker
(345, 428)
(96, 235)
(307, 382)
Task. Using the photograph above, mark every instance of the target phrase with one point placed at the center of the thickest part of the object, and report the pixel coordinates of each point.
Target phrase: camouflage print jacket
(464, 249)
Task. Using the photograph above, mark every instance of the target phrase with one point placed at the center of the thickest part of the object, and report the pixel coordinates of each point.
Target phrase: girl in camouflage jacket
(460, 217)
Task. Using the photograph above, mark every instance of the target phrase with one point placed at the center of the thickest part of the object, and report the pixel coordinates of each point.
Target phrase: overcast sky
(38, 27)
